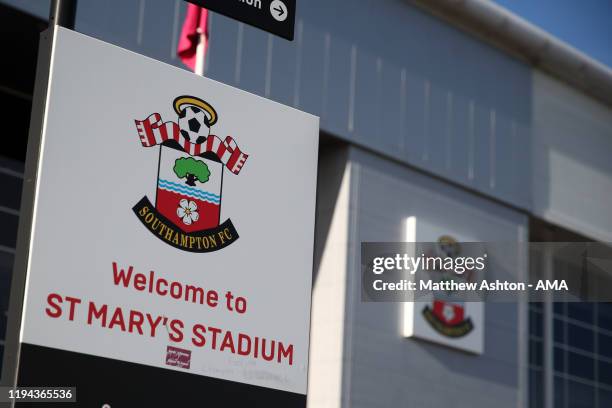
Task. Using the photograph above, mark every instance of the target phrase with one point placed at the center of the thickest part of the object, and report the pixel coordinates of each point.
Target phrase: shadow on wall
(329, 179)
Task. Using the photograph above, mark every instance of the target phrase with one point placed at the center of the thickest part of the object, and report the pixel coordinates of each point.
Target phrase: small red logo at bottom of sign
(178, 357)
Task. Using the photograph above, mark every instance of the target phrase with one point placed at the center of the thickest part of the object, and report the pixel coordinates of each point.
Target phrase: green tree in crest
(192, 170)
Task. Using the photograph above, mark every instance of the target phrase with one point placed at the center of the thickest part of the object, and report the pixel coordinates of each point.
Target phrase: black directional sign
(274, 16)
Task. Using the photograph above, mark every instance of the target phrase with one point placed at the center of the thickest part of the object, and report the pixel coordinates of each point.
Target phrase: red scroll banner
(152, 131)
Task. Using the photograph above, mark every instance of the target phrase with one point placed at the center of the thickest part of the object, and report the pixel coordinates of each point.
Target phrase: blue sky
(584, 24)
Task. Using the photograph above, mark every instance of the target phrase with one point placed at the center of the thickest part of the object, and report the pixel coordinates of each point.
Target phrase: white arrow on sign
(278, 9)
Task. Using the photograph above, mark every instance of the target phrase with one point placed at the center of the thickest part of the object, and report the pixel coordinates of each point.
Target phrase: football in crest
(194, 124)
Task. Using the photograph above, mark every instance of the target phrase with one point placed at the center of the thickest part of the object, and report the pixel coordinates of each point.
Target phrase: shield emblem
(447, 312)
(187, 209)
(189, 189)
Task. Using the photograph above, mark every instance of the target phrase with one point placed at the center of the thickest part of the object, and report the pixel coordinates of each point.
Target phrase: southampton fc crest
(446, 314)
(187, 209)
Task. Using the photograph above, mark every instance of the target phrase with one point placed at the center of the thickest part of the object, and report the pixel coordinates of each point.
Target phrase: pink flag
(194, 38)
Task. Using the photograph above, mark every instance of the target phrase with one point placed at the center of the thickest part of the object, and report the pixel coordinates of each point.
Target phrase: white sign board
(173, 221)
(440, 319)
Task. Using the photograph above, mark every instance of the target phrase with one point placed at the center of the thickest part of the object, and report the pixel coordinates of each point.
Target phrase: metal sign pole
(62, 13)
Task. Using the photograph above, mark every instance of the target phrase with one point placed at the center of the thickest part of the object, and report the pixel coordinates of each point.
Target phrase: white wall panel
(329, 281)
(572, 159)
(387, 369)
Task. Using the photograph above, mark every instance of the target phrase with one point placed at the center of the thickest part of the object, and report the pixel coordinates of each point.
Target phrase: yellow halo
(192, 100)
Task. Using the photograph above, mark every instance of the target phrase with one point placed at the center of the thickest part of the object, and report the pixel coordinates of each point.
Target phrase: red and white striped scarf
(152, 131)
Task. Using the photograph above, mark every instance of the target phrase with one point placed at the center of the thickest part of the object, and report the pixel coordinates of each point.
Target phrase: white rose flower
(187, 210)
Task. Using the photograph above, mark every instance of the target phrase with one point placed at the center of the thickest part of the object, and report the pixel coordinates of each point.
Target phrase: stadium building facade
(457, 115)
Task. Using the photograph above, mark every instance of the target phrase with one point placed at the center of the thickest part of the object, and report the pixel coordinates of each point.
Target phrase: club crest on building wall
(190, 170)
(445, 313)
